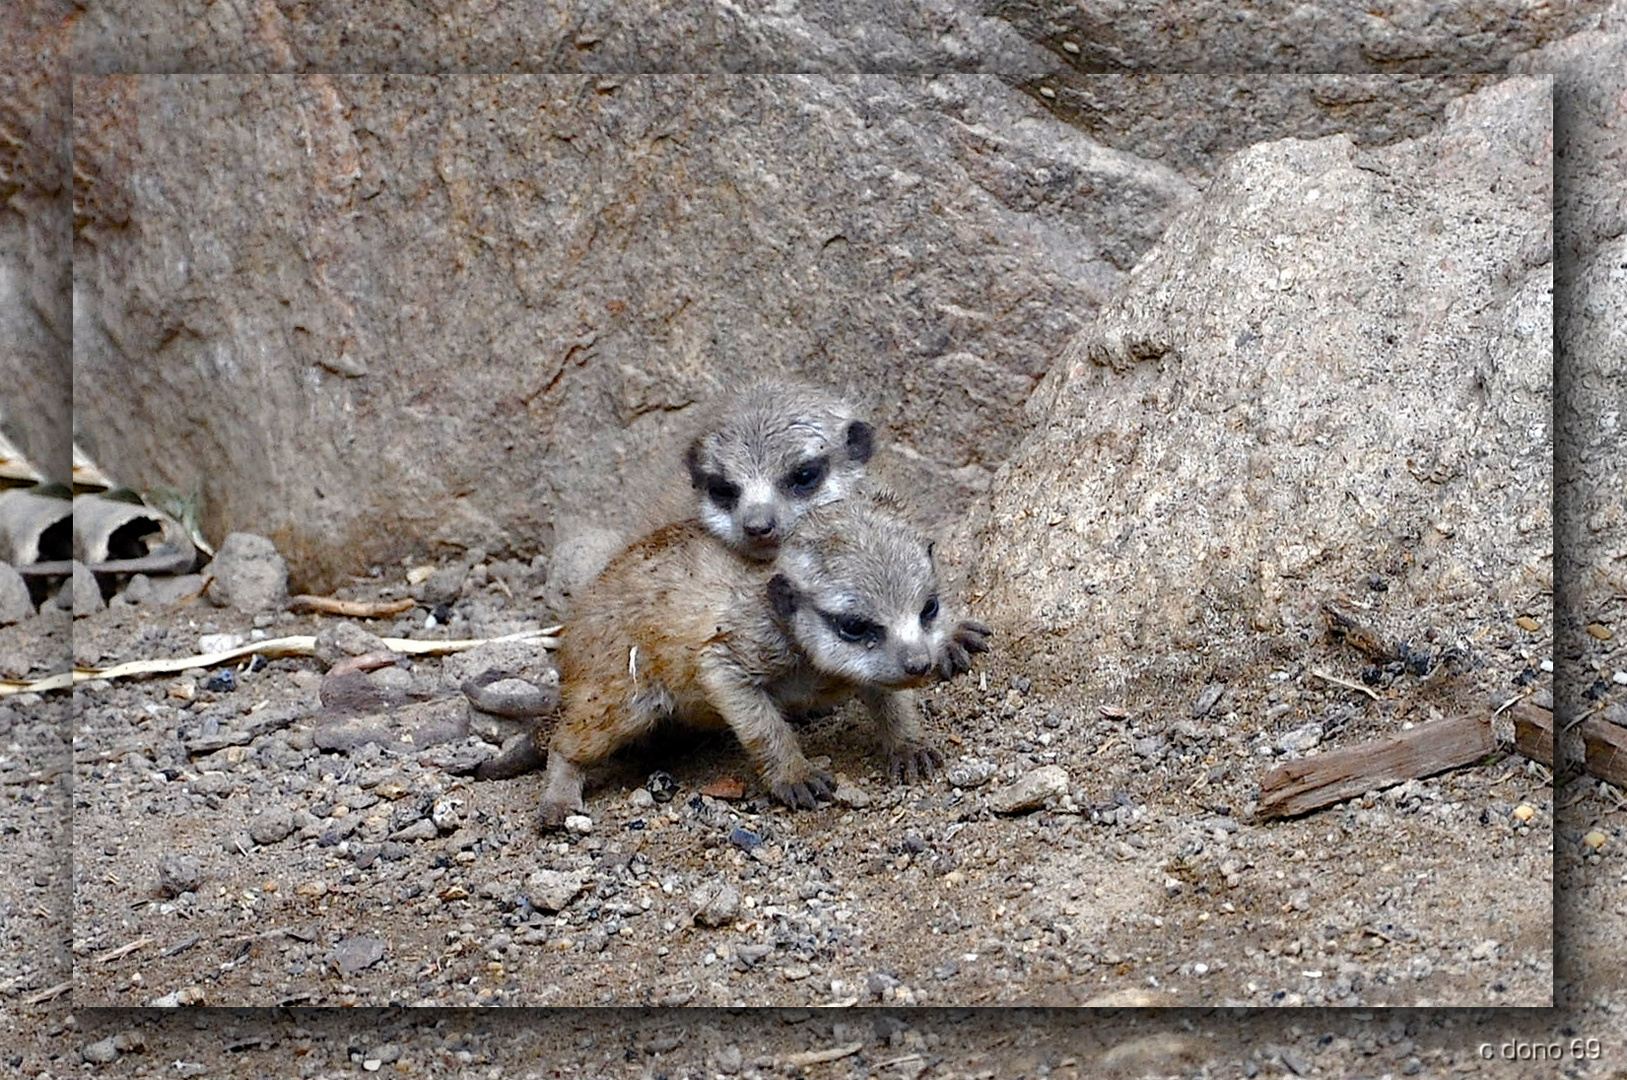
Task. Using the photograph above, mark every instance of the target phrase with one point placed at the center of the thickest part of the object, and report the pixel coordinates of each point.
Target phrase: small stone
(970, 773)
(221, 682)
(1295, 1061)
(1208, 699)
(1524, 812)
(1484, 951)
(354, 954)
(1526, 622)
(728, 1060)
(730, 788)
(213, 643)
(552, 890)
(15, 603)
(744, 839)
(796, 972)
(272, 826)
(100, 1052)
(1593, 840)
(1301, 739)
(85, 592)
(853, 797)
(1030, 791)
(1600, 631)
(715, 903)
(641, 799)
(444, 814)
(184, 997)
(422, 829)
(249, 575)
(580, 824)
(661, 786)
(178, 874)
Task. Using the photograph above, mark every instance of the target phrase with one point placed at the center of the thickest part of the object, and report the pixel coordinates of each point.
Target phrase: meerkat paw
(805, 790)
(970, 637)
(908, 763)
(553, 814)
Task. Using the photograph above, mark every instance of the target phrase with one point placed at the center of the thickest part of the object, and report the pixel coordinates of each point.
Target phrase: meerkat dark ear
(860, 441)
(781, 597)
(692, 461)
(931, 546)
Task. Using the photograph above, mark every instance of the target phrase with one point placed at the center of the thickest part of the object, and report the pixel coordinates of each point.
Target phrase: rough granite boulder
(455, 311)
(1333, 375)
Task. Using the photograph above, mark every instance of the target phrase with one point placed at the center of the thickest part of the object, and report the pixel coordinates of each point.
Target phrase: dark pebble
(662, 786)
(744, 840)
(221, 682)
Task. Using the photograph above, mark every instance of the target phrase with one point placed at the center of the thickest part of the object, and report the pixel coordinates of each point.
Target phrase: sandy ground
(375, 876)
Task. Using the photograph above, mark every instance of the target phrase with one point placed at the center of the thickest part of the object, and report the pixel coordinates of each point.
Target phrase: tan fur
(680, 625)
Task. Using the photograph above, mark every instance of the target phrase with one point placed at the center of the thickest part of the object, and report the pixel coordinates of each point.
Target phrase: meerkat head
(858, 592)
(769, 455)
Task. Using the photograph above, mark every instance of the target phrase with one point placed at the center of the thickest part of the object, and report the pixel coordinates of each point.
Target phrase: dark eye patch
(855, 628)
(806, 477)
(721, 492)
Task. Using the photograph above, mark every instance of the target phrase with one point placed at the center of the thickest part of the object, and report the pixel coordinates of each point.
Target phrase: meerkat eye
(929, 612)
(855, 628)
(807, 477)
(722, 492)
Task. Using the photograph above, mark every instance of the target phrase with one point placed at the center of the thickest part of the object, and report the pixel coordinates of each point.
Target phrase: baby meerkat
(679, 626)
(769, 455)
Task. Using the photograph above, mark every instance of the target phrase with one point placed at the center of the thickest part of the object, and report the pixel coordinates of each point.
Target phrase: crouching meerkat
(681, 627)
(768, 455)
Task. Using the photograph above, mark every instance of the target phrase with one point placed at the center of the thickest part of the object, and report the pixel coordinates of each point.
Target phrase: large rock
(36, 406)
(551, 35)
(1590, 222)
(1012, 36)
(1336, 368)
(457, 311)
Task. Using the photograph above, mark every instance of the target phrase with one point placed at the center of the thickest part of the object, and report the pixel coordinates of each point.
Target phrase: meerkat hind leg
(910, 757)
(757, 722)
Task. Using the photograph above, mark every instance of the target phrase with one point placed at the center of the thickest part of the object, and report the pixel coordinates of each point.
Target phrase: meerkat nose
(918, 663)
(759, 523)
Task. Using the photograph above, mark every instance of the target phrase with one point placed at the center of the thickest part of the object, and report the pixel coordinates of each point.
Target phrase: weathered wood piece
(1534, 732)
(1297, 787)
(1606, 747)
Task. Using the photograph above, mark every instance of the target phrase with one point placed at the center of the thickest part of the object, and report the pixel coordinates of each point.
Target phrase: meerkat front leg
(563, 796)
(903, 741)
(757, 722)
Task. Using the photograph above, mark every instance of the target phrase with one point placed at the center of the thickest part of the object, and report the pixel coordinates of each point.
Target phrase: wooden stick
(1606, 747)
(1296, 787)
(124, 950)
(815, 1057)
(46, 995)
(1534, 733)
(361, 609)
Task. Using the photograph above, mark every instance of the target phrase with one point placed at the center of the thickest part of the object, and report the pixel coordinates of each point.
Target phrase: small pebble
(1524, 812)
(272, 826)
(1600, 631)
(580, 824)
(1593, 840)
(1526, 622)
(715, 903)
(661, 786)
(850, 796)
(730, 788)
(100, 1052)
(221, 682)
(1029, 792)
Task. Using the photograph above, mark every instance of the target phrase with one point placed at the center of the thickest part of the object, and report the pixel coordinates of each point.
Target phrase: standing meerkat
(679, 626)
(770, 454)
